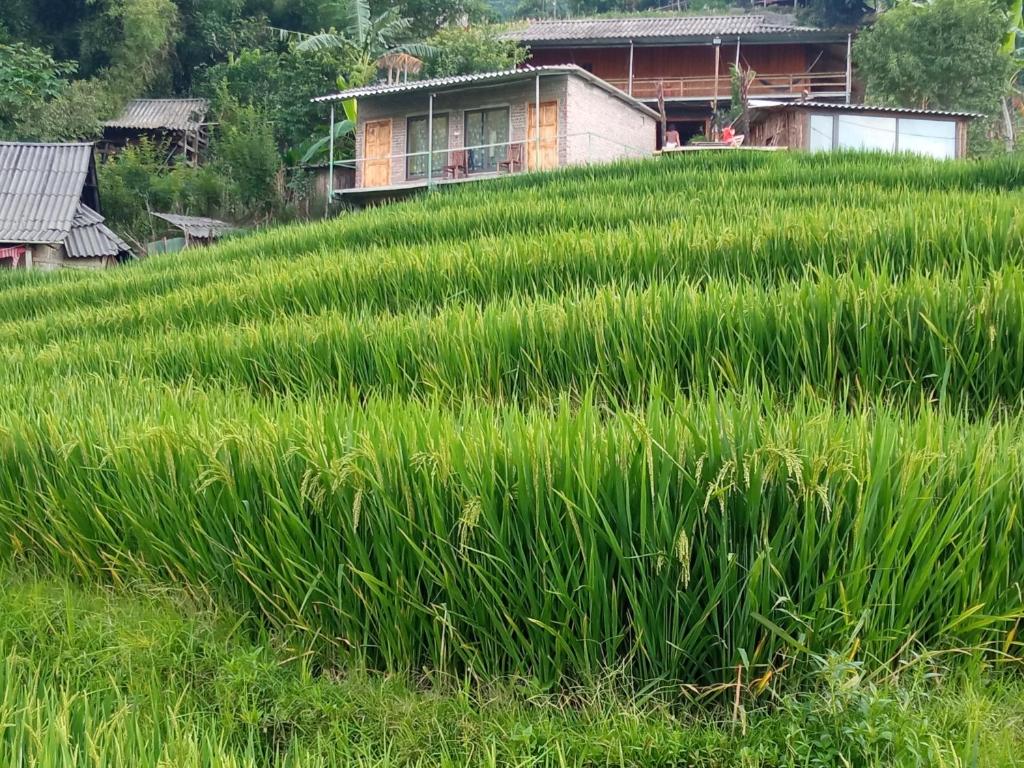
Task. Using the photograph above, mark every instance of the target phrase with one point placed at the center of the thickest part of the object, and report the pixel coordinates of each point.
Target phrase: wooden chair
(513, 159)
(456, 165)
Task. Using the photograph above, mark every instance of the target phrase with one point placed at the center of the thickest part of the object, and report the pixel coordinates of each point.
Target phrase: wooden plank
(377, 166)
(548, 136)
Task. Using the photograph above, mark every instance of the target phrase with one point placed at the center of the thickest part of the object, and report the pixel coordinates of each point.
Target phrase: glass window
(934, 138)
(487, 131)
(417, 149)
(821, 133)
(866, 132)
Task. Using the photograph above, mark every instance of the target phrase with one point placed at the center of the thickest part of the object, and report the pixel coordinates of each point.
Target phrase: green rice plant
(674, 542)
(659, 417)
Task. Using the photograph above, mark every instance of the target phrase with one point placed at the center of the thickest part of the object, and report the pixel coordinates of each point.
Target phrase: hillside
(667, 418)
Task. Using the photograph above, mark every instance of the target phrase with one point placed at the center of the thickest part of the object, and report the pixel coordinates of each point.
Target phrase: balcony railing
(703, 87)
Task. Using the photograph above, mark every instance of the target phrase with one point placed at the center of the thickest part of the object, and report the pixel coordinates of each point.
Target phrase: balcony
(702, 88)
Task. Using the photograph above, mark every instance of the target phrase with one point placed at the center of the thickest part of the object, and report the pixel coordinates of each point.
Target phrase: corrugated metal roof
(40, 189)
(90, 237)
(197, 226)
(505, 75)
(161, 114)
(828, 106)
(641, 28)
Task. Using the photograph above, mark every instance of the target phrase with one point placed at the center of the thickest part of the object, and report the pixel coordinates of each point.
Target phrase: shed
(198, 230)
(49, 209)
(482, 125)
(177, 124)
(822, 127)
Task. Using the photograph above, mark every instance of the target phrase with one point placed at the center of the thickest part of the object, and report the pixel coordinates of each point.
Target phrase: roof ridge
(587, 19)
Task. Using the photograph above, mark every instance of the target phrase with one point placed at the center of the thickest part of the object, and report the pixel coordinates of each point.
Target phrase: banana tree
(364, 38)
(342, 128)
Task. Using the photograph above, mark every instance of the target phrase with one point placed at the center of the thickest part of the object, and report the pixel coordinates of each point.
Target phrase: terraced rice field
(664, 418)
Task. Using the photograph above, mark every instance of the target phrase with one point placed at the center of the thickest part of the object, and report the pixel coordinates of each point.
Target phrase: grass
(662, 420)
(153, 677)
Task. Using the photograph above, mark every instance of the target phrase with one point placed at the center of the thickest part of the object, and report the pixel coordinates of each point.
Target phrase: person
(728, 134)
(671, 138)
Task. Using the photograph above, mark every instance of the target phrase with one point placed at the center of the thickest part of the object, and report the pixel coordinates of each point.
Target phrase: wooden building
(822, 127)
(686, 59)
(178, 126)
(49, 209)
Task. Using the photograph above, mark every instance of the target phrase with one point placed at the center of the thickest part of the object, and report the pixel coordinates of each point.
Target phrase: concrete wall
(51, 257)
(399, 108)
(603, 128)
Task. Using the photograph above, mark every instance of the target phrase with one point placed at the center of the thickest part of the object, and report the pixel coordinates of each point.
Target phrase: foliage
(661, 437)
(837, 13)
(461, 51)
(279, 86)
(942, 55)
(153, 677)
(247, 152)
(77, 114)
(136, 182)
(428, 16)
(29, 79)
(362, 38)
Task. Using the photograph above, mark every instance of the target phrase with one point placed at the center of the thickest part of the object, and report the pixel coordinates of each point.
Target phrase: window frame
(507, 108)
(430, 172)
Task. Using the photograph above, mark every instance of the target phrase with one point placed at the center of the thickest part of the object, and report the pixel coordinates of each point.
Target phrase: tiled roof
(40, 189)
(161, 114)
(506, 75)
(828, 106)
(90, 237)
(197, 226)
(640, 28)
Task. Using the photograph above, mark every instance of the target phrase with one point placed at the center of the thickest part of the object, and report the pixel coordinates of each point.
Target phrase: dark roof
(161, 114)
(766, 104)
(507, 75)
(659, 29)
(197, 226)
(90, 237)
(40, 189)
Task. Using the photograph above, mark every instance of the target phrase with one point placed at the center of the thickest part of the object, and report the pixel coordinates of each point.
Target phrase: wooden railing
(703, 87)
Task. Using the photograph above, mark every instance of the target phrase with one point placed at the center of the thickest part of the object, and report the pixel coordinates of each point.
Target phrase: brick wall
(399, 108)
(593, 125)
(604, 128)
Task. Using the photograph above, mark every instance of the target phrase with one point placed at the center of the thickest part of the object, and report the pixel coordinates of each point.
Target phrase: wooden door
(548, 144)
(377, 154)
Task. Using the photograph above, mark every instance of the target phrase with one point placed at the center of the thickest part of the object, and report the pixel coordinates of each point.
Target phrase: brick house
(477, 126)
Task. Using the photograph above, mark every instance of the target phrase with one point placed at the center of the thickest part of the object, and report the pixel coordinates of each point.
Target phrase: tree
(29, 79)
(944, 55)
(363, 38)
(279, 85)
(837, 13)
(460, 51)
(427, 16)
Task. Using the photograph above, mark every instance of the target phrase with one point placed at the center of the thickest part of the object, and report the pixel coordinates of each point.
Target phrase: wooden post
(629, 89)
(330, 168)
(849, 68)
(737, 52)
(718, 65)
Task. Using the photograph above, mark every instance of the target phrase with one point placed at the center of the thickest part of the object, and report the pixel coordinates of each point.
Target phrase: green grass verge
(148, 678)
